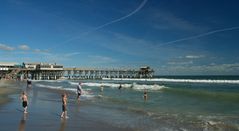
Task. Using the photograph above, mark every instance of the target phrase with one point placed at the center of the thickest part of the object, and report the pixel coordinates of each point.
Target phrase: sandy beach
(44, 111)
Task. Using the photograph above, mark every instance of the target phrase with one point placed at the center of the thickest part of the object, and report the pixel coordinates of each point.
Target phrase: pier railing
(80, 73)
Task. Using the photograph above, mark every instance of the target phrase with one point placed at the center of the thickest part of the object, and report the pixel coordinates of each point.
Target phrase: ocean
(174, 102)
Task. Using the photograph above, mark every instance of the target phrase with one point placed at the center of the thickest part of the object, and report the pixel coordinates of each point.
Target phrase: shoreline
(7, 88)
(44, 111)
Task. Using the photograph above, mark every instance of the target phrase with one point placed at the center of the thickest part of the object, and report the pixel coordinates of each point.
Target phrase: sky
(173, 37)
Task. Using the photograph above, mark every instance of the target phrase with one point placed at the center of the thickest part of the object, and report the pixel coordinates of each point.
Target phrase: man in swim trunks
(64, 103)
(24, 101)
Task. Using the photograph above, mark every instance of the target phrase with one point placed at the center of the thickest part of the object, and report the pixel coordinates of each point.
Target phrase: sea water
(174, 102)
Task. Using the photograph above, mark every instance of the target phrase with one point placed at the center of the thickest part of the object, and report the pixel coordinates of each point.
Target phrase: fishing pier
(46, 71)
(80, 73)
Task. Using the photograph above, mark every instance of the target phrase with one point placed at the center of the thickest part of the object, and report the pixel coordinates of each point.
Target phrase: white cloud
(6, 48)
(180, 62)
(194, 56)
(24, 47)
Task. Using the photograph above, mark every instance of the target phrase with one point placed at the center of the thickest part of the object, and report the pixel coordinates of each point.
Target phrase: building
(42, 71)
(6, 69)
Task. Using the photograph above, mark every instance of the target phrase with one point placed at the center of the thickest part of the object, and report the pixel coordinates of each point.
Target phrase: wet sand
(44, 111)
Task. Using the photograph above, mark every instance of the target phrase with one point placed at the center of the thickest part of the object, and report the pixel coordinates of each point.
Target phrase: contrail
(111, 22)
(200, 35)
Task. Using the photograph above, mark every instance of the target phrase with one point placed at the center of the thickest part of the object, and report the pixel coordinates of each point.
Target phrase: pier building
(42, 71)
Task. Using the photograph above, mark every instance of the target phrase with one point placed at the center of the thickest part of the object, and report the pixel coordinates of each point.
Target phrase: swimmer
(145, 95)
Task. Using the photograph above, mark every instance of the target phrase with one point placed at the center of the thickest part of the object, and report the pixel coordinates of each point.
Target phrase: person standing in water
(79, 91)
(101, 88)
(64, 104)
(24, 101)
(145, 95)
(120, 87)
(29, 83)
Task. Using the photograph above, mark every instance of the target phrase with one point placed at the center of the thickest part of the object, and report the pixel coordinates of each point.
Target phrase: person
(64, 103)
(145, 95)
(24, 101)
(79, 91)
(120, 87)
(101, 88)
(29, 83)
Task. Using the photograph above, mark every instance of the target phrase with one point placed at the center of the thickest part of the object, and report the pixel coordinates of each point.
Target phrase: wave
(124, 85)
(178, 80)
(87, 93)
(53, 81)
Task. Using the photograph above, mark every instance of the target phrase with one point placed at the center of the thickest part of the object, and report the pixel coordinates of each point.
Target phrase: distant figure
(29, 83)
(79, 91)
(101, 88)
(64, 103)
(131, 86)
(120, 87)
(145, 95)
(24, 101)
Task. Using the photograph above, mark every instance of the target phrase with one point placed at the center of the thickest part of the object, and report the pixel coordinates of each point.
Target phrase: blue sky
(174, 37)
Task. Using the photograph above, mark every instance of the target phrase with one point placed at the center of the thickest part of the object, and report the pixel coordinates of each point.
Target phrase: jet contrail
(200, 35)
(111, 22)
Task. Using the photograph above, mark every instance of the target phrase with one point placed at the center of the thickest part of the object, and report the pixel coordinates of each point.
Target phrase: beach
(171, 106)
(44, 111)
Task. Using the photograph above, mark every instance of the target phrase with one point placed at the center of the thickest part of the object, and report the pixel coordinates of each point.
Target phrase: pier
(81, 73)
(46, 71)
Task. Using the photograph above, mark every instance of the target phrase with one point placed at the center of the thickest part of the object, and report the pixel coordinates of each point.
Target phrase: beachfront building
(42, 71)
(146, 72)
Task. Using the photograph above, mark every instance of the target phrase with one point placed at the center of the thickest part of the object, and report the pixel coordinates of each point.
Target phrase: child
(24, 101)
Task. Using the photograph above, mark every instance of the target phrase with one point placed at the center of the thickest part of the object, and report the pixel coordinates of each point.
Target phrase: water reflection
(22, 122)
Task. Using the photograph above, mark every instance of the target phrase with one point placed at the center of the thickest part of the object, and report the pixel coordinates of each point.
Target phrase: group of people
(24, 99)
(145, 96)
(64, 98)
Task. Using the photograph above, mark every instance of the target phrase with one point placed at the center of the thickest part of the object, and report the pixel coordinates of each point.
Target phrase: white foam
(179, 80)
(48, 80)
(124, 85)
(87, 93)
(48, 86)
(148, 87)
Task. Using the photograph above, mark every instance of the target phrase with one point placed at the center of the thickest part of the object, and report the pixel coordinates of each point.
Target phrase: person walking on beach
(24, 101)
(79, 91)
(64, 103)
